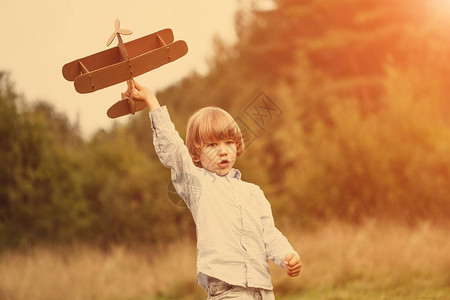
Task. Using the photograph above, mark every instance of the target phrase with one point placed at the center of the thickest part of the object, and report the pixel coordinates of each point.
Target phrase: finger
(288, 258)
(294, 270)
(291, 262)
(295, 267)
(294, 274)
(129, 91)
(130, 84)
(137, 85)
(298, 264)
(294, 260)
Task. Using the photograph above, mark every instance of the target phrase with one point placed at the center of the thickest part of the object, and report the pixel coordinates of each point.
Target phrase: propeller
(117, 31)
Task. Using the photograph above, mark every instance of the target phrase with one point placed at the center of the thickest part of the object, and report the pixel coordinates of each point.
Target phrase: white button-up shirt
(236, 234)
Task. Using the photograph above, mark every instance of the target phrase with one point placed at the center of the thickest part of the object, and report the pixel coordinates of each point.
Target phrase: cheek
(207, 156)
(233, 150)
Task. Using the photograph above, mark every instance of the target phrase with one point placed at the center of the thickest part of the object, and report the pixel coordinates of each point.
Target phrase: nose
(223, 151)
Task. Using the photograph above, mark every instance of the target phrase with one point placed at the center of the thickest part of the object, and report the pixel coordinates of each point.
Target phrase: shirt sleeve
(173, 154)
(276, 244)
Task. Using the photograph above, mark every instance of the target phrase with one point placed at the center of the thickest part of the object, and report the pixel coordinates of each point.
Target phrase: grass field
(372, 261)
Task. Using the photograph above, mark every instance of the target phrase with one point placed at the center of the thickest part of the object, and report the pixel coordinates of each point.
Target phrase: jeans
(219, 290)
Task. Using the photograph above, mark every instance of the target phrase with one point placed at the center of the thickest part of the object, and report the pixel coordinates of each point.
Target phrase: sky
(39, 37)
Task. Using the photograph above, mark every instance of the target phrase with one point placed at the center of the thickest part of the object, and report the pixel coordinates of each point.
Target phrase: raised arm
(169, 146)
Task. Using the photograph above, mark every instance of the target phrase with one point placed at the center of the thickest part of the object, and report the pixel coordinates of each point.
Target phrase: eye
(211, 144)
(230, 142)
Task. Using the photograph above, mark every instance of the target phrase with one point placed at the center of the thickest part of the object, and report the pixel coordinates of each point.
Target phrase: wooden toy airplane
(122, 63)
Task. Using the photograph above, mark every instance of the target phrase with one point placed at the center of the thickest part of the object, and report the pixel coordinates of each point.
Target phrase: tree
(41, 195)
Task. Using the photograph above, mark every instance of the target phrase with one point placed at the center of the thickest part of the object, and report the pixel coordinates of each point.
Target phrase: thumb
(137, 85)
(288, 258)
(129, 87)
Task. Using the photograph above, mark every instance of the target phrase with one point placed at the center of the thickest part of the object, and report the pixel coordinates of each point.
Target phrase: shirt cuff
(159, 116)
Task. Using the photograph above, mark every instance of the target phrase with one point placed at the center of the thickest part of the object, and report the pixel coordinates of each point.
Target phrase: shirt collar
(234, 173)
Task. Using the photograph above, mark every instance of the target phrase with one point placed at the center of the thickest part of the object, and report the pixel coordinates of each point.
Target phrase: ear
(240, 150)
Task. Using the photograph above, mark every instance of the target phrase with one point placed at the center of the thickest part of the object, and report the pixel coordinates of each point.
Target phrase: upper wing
(124, 70)
(112, 56)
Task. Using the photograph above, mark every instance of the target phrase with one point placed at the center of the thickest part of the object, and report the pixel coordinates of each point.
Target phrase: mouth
(224, 163)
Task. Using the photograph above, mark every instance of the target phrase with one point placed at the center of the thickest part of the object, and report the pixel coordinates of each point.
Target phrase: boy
(236, 234)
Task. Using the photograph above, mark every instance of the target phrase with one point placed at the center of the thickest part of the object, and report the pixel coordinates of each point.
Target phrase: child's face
(219, 157)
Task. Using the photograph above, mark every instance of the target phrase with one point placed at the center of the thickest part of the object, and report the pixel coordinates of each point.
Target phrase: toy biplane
(122, 63)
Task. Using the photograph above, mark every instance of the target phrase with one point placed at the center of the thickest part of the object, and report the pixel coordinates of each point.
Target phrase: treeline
(57, 187)
(359, 125)
(345, 110)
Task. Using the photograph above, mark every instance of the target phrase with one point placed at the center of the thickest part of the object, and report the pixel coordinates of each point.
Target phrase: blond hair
(211, 124)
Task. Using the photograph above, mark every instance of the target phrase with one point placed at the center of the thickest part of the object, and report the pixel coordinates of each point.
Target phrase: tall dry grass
(84, 272)
(339, 262)
(376, 260)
